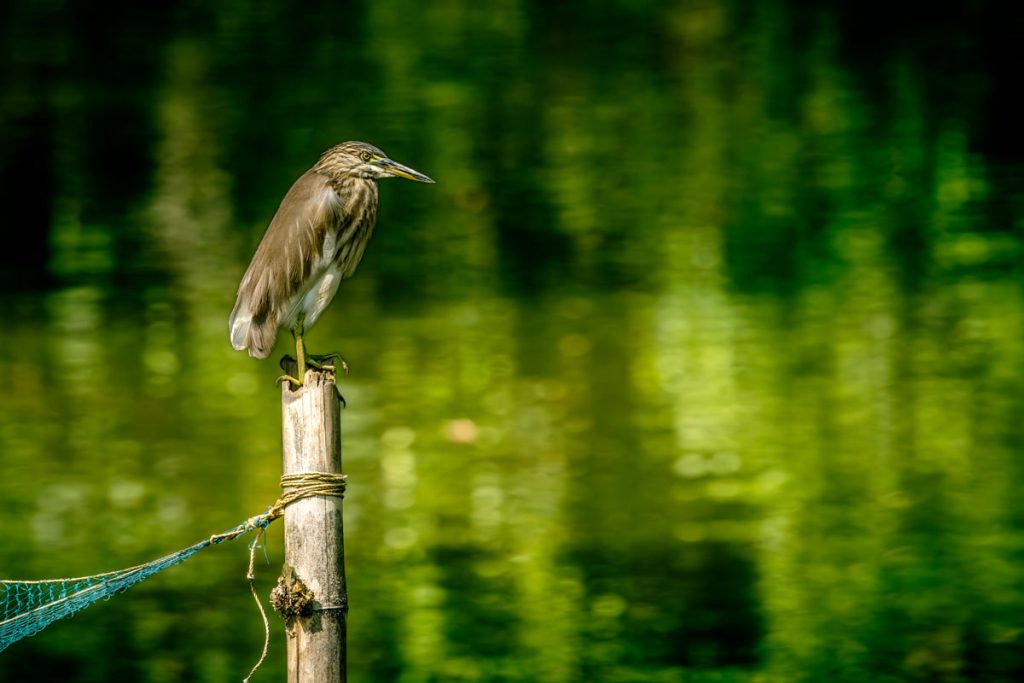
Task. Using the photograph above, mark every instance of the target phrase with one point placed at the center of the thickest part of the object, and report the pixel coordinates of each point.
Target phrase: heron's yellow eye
(365, 156)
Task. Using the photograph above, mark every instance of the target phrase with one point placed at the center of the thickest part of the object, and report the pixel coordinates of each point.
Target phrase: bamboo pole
(314, 548)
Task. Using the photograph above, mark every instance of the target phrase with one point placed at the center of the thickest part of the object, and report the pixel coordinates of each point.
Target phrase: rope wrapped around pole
(307, 484)
(296, 487)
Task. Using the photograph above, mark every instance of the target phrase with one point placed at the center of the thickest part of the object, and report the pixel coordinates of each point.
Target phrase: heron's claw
(317, 361)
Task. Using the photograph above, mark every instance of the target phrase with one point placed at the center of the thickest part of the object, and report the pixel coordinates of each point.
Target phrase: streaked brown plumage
(315, 240)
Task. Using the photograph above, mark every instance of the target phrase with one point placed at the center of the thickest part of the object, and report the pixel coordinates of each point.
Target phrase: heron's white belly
(312, 301)
(318, 297)
(319, 290)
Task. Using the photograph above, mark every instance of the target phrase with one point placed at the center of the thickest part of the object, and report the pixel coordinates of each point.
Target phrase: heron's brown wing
(285, 258)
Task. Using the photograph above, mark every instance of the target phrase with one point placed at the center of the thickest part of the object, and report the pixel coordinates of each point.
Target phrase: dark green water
(700, 362)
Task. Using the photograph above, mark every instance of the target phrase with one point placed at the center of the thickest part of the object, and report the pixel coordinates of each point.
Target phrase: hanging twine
(251, 576)
(296, 487)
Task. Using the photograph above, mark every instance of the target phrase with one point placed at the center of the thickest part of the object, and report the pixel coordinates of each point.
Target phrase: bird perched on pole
(315, 240)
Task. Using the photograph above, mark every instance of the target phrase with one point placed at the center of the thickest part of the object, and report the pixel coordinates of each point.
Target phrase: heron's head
(363, 160)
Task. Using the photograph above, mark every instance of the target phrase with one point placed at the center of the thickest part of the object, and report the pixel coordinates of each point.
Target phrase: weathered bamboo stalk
(314, 532)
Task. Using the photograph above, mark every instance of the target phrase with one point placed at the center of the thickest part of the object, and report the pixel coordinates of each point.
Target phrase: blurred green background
(701, 361)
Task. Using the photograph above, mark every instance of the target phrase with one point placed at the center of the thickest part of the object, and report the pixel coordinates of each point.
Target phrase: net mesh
(27, 607)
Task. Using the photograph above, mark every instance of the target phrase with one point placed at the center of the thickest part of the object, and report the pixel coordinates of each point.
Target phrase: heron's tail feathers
(258, 336)
(238, 326)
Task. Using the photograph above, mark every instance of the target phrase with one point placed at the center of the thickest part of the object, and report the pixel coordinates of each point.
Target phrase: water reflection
(700, 361)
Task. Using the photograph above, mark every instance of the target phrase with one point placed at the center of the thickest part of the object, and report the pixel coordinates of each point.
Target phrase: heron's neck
(357, 203)
(357, 196)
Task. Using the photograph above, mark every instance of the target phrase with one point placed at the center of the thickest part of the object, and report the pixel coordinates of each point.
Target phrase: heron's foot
(289, 378)
(286, 363)
(317, 361)
(328, 361)
(297, 384)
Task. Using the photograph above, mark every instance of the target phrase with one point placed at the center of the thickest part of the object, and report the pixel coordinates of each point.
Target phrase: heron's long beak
(396, 169)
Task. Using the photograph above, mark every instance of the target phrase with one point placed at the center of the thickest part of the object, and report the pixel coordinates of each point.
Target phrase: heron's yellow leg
(306, 360)
(300, 356)
(300, 351)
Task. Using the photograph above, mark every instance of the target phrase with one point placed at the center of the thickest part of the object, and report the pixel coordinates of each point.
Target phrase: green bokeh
(700, 362)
